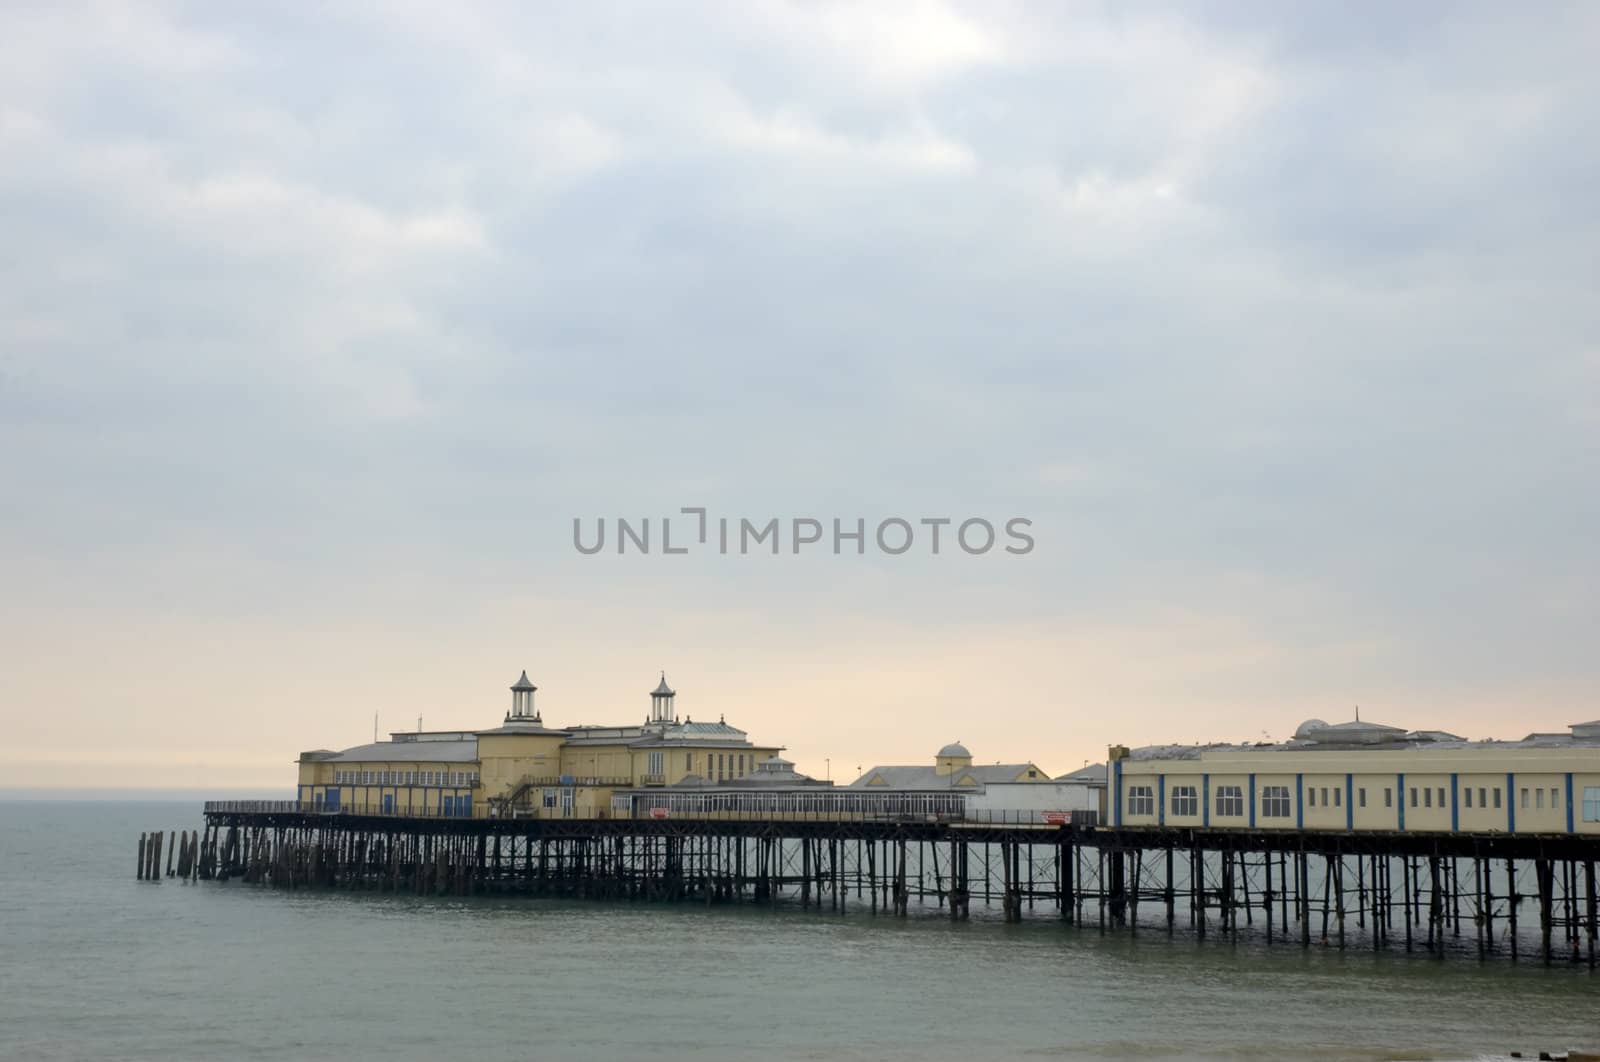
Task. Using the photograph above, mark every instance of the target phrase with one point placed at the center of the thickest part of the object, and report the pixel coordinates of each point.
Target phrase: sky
(320, 326)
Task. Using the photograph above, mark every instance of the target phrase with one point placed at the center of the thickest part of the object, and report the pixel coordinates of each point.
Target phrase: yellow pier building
(523, 768)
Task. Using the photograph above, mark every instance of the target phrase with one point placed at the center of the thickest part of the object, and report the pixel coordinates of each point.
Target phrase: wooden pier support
(1350, 885)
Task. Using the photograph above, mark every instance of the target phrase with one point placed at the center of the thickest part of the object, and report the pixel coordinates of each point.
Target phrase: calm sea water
(94, 964)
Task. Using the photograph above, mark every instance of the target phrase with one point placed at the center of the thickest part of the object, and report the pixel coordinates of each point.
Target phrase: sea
(94, 964)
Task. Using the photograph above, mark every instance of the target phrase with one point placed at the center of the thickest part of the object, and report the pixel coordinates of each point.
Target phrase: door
(388, 803)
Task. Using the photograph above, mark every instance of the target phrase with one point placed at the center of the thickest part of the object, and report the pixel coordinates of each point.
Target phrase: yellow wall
(507, 759)
(1413, 789)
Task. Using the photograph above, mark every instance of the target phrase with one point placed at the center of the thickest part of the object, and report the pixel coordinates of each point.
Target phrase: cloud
(1277, 322)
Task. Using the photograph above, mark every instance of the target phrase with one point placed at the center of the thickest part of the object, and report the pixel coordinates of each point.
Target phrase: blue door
(449, 806)
(331, 801)
(464, 806)
(388, 803)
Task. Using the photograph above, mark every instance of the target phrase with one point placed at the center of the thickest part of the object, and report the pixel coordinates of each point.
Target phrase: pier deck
(1518, 895)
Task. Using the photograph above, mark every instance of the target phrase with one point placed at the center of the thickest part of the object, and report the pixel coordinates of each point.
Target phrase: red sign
(658, 813)
(1057, 818)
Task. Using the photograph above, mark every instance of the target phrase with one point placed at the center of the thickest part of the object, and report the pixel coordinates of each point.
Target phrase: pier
(1519, 896)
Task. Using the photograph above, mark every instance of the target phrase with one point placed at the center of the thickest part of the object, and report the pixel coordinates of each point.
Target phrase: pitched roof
(1093, 774)
(524, 684)
(412, 752)
(663, 690)
(919, 777)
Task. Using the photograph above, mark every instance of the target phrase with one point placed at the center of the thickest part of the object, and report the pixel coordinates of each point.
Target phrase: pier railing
(974, 817)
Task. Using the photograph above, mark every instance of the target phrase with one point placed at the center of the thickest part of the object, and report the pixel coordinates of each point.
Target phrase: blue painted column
(1455, 803)
(1511, 802)
(1116, 792)
(1569, 802)
(1400, 798)
(1252, 801)
(1299, 802)
(1349, 802)
(1161, 800)
(1205, 800)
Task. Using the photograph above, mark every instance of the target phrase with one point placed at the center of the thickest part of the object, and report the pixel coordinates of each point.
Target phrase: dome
(663, 690)
(955, 748)
(1310, 726)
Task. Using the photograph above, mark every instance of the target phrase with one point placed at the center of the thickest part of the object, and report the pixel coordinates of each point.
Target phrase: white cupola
(522, 709)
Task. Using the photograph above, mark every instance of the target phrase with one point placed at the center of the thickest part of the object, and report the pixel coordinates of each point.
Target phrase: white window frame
(1276, 803)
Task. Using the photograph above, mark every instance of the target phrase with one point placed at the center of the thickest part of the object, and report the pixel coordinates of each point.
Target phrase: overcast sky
(318, 328)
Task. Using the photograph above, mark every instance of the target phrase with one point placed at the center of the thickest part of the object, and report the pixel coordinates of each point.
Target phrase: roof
(955, 748)
(1416, 741)
(536, 729)
(412, 752)
(1093, 774)
(663, 690)
(524, 684)
(920, 777)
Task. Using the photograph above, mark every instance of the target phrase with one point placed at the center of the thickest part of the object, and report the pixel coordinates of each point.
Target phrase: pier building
(952, 768)
(525, 768)
(1366, 777)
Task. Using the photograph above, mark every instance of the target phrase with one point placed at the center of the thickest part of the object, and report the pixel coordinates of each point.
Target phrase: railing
(316, 807)
(984, 817)
(652, 779)
(256, 807)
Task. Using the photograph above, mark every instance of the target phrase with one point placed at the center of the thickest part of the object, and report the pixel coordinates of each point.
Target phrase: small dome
(955, 748)
(524, 684)
(663, 690)
(1309, 727)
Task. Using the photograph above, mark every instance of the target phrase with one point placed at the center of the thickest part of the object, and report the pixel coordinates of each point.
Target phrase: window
(549, 798)
(1413, 796)
(1591, 803)
(1442, 802)
(1427, 798)
(1311, 797)
(1337, 798)
(1497, 797)
(1141, 800)
(1361, 796)
(1230, 800)
(1324, 796)
(1275, 802)
(1468, 794)
(1483, 797)
(1555, 798)
(688, 761)
(1524, 798)
(1388, 797)
(657, 761)
(1185, 801)
(1538, 799)
(566, 801)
